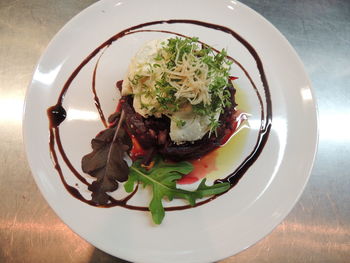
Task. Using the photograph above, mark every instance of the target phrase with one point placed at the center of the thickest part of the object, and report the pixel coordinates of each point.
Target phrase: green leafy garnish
(180, 123)
(162, 178)
(213, 125)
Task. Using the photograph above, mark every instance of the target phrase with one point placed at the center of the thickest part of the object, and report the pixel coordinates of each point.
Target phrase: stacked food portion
(178, 98)
(177, 105)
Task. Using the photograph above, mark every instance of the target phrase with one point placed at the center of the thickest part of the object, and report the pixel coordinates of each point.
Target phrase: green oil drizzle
(228, 156)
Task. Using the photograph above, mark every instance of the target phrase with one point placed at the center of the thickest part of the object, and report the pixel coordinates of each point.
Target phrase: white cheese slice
(194, 129)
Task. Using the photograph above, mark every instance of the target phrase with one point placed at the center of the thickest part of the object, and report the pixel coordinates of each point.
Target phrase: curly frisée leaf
(162, 178)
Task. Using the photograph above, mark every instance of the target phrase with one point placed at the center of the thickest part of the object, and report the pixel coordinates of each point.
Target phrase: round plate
(230, 223)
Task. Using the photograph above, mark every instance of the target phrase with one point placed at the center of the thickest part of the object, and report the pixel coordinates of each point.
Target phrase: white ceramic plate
(223, 227)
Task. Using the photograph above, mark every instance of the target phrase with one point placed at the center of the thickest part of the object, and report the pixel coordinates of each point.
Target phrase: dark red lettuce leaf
(106, 161)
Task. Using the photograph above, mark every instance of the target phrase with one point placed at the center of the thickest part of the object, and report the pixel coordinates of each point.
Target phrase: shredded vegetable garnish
(183, 74)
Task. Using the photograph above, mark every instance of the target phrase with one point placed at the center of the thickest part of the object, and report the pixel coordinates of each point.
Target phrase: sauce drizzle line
(57, 114)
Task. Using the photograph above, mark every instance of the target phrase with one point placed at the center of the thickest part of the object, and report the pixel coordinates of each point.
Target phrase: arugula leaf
(162, 178)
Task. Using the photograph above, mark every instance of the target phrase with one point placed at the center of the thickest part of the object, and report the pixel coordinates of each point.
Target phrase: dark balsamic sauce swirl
(96, 99)
(57, 114)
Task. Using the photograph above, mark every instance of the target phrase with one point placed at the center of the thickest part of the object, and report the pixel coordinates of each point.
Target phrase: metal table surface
(317, 229)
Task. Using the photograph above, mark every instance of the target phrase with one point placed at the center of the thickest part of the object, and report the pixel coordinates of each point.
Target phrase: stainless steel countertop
(317, 229)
